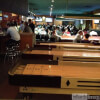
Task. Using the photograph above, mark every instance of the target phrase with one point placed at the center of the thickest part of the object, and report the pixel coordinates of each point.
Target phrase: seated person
(85, 31)
(78, 37)
(27, 28)
(48, 33)
(36, 30)
(42, 33)
(93, 33)
(57, 34)
(15, 37)
(67, 33)
(86, 40)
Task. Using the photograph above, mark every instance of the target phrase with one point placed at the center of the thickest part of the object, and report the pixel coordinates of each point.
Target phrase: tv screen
(38, 19)
(49, 20)
(96, 21)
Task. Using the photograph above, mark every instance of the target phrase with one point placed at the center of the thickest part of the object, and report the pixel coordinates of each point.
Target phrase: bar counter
(3, 39)
(26, 39)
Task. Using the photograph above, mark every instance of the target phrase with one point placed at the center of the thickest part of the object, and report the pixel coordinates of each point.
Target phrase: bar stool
(12, 52)
(16, 49)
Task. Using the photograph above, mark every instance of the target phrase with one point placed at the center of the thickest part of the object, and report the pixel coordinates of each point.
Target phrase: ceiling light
(22, 17)
(52, 1)
(51, 8)
(50, 13)
(81, 21)
(43, 18)
(97, 14)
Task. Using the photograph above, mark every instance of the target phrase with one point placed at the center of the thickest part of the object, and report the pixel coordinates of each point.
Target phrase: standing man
(32, 26)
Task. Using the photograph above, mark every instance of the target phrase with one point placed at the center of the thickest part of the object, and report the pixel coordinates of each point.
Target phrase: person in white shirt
(36, 30)
(93, 33)
(15, 37)
(42, 33)
(78, 37)
(67, 33)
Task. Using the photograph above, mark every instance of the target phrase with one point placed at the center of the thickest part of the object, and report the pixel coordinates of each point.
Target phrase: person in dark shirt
(31, 25)
(27, 28)
(86, 40)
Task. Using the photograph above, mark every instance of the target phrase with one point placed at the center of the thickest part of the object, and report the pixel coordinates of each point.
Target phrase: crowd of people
(14, 31)
(56, 32)
(46, 32)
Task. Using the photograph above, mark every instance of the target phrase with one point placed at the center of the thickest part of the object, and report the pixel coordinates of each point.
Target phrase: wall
(95, 26)
(57, 22)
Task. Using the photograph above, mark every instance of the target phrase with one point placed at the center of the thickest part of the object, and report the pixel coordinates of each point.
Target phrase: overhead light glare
(50, 13)
(52, 1)
(51, 9)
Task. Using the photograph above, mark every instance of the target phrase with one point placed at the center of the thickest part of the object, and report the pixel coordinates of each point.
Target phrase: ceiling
(64, 7)
(14, 6)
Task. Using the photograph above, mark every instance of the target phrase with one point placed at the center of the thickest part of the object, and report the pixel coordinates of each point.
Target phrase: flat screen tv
(49, 19)
(96, 21)
(38, 19)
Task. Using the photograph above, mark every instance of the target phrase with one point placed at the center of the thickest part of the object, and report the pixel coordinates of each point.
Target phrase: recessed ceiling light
(52, 1)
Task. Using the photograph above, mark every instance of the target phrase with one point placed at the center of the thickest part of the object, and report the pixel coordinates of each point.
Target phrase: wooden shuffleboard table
(63, 55)
(71, 38)
(64, 46)
(75, 77)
